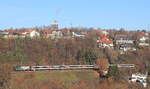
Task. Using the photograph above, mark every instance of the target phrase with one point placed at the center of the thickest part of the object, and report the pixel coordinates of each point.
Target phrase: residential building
(139, 78)
(104, 41)
(125, 47)
(143, 39)
(31, 33)
(66, 33)
(20, 33)
(53, 34)
(77, 34)
(123, 39)
(46, 33)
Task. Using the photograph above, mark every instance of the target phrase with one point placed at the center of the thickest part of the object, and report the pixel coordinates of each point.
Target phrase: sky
(107, 14)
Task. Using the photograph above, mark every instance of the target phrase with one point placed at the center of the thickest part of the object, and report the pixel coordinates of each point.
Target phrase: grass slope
(54, 79)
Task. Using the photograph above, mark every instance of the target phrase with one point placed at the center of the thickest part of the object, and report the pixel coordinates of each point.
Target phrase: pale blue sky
(128, 14)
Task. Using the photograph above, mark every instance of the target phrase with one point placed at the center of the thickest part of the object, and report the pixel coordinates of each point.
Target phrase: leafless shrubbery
(5, 76)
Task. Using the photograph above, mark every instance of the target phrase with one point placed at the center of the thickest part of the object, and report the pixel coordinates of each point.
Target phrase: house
(104, 32)
(143, 38)
(6, 33)
(143, 44)
(56, 34)
(104, 42)
(10, 34)
(125, 47)
(125, 42)
(3, 33)
(20, 33)
(46, 33)
(66, 33)
(139, 78)
(30, 33)
(123, 39)
(51, 34)
(77, 34)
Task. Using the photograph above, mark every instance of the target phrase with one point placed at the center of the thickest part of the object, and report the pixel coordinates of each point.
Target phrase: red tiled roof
(140, 34)
(104, 36)
(105, 41)
(122, 35)
(30, 30)
(20, 31)
(65, 30)
(46, 31)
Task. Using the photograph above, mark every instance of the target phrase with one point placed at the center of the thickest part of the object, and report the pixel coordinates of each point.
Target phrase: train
(54, 67)
(67, 67)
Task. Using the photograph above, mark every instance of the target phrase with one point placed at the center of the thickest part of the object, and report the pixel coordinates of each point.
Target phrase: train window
(36, 67)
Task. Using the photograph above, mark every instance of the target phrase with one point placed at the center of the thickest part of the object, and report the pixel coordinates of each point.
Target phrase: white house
(20, 33)
(77, 34)
(52, 33)
(28, 33)
(104, 32)
(143, 39)
(105, 43)
(32, 33)
(140, 78)
(123, 39)
(56, 34)
(143, 44)
(127, 48)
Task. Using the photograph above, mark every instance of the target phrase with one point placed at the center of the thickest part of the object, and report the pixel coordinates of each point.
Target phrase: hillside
(55, 80)
(81, 79)
(71, 51)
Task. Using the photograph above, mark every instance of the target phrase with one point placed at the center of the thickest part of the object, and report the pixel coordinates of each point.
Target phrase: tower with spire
(55, 25)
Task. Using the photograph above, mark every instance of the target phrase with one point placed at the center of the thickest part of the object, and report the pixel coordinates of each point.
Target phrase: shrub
(113, 72)
(5, 76)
